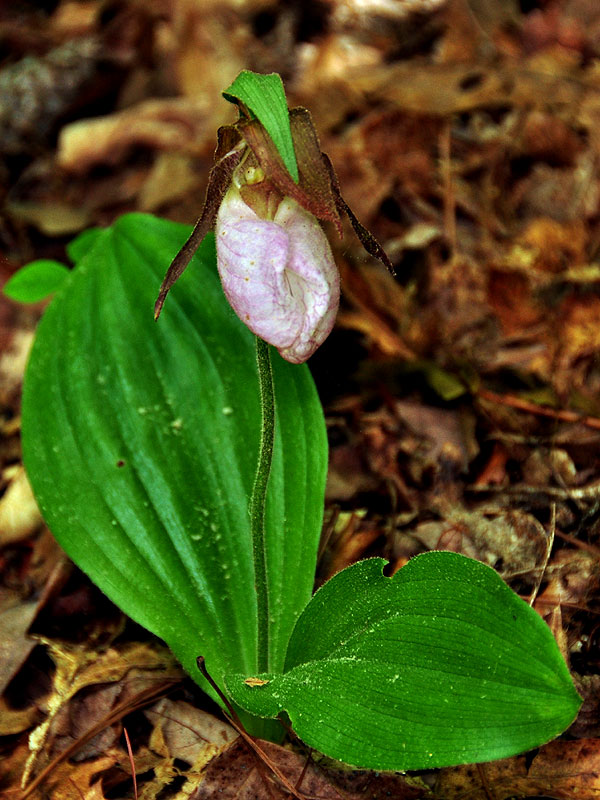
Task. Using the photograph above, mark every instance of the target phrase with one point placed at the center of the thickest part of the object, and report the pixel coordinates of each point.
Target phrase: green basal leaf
(36, 281)
(442, 664)
(82, 243)
(141, 439)
(264, 97)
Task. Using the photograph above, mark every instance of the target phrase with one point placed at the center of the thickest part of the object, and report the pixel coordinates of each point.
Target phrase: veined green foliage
(441, 664)
(141, 442)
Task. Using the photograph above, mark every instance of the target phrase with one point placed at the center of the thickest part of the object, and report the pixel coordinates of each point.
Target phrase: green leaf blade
(36, 281)
(440, 665)
(141, 441)
(264, 96)
(80, 245)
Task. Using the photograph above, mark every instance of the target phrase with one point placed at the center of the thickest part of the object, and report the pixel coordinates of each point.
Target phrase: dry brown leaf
(348, 474)
(121, 674)
(15, 645)
(379, 302)
(543, 81)
(548, 466)
(352, 11)
(234, 776)
(494, 471)
(564, 195)
(172, 176)
(11, 769)
(19, 514)
(561, 770)
(513, 539)
(349, 541)
(56, 219)
(459, 323)
(554, 246)
(573, 576)
(578, 343)
(511, 298)
(587, 723)
(75, 18)
(77, 781)
(12, 361)
(209, 48)
(439, 427)
(161, 124)
(47, 568)
(187, 733)
(158, 771)
(322, 83)
(549, 138)
(580, 332)
(17, 720)
(17, 612)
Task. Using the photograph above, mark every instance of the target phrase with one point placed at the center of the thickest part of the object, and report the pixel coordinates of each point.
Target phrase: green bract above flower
(275, 262)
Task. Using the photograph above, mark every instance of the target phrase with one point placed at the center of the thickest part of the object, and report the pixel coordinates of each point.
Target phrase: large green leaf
(441, 664)
(141, 438)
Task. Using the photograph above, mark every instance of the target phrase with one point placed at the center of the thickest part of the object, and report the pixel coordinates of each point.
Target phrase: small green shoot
(36, 281)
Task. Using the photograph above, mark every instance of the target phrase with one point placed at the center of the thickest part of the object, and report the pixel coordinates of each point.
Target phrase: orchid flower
(275, 262)
(278, 274)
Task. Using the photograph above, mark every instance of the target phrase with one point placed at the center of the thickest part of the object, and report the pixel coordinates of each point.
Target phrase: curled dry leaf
(162, 124)
(57, 219)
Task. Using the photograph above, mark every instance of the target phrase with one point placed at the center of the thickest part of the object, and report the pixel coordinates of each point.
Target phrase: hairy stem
(259, 498)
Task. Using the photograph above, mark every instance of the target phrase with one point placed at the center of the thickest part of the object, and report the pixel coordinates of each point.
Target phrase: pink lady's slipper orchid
(278, 274)
(273, 257)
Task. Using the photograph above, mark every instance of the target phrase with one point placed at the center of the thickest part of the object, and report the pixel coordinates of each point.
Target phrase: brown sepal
(314, 191)
(227, 156)
(368, 241)
(318, 190)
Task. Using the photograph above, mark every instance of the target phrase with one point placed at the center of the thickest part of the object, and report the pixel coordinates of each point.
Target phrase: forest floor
(462, 397)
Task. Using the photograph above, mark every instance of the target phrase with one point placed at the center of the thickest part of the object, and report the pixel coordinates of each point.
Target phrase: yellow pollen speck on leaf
(255, 682)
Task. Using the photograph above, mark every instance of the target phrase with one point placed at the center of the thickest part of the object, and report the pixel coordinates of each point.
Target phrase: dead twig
(560, 415)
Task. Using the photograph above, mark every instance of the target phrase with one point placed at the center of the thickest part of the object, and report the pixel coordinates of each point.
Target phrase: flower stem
(259, 497)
